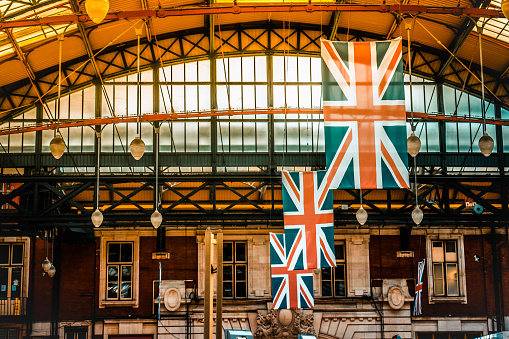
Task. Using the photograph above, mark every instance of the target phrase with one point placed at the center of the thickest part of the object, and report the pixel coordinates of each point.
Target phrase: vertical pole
(219, 286)
(208, 302)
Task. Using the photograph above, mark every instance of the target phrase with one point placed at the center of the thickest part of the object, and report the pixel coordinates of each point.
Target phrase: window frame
(462, 288)
(25, 268)
(119, 265)
(112, 237)
(234, 262)
(342, 262)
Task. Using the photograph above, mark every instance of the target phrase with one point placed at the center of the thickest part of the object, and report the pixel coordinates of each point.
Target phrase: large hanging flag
(290, 289)
(418, 288)
(309, 220)
(364, 114)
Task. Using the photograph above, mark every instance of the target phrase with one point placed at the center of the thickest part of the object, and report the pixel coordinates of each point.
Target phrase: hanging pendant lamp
(413, 145)
(505, 8)
(97, 216)
(417, 215)
(137, 146)
(362, 214)
(46, 264)
(486, 142)
(97, 9)
(413, 142)
(57, 146)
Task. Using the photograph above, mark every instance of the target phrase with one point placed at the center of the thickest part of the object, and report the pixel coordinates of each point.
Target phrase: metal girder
(61, 204)
(251, 34)
(463, 32)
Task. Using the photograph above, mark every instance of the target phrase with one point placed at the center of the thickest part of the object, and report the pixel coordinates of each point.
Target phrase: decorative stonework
(396, 297)
(272, 324)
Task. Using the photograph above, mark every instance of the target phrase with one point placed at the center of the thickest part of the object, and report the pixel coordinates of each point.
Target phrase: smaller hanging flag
(308, 209)
(290, 289)
(418, 288)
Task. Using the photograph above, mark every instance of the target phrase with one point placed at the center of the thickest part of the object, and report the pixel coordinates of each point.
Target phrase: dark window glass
(126, 251)
(126, 273)
(4, 282)
(241, 272)
(17, 254)
(113, 252)
(240, 251)
(450, 246)
(333, 279)
(13, 334)
(326, 274)
(326, 289)
(4, 254)
(227, 289)
(441, 336)
(227, 273)
(340, 289)
(112, 290)
(436, 244)
(227, 251)
(240, 290)
(340, 253)
(16, 282)
(424, 335)
(126, 290)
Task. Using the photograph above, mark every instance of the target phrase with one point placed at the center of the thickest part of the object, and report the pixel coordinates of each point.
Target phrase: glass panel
(126, 290)
(126, 251)
(316, 69)
(235, 132)
(4, 276)
(340, 251)
(113, 252)
(235, 70)
(4, 254)
(191, 71)
(126, 273)
(112, 273)
(228, 289)
(13, 334)
(191, 98)
(262, 137)
(261, 97)
(112, 290)
(339, 272)
(240, 251)
(260, 68)
(227, 272)
(450, 251)
(326, 274)
(438, 281)
(240, 289)
(437, 251)
(16, 282)
(304, 69)
(17, 254)
(248, 96)
(340, 289)
(204, 97)
(326, 288)
(204, 70)
(191, 136)
(177, 72)
(81, 335)
(452, 279)
(248, 69)
(240, 272)
(249, 137)
(204, 136)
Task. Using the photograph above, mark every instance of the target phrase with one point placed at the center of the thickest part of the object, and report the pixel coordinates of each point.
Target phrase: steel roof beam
(186, 11)
(464, 31)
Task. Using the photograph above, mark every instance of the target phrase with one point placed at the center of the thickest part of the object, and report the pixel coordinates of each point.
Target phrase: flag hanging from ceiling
(290, 289)
(309, 220)
(364, 114)
(418, 288)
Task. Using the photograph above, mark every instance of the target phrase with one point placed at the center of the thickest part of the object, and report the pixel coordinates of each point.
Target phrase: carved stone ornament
(396, 297)
(284, 324)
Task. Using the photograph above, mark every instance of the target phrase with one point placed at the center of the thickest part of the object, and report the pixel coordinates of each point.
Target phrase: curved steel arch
(238, 39)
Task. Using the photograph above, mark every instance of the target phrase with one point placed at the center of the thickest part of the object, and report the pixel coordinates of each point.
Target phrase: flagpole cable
(409, 28)
(138, 91)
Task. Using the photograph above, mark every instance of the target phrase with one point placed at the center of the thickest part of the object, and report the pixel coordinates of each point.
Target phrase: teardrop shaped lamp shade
(97, 9)
(156, 219)
(413, 145)
(486, 145)
(97, 218)
(57, 146)
(361, 215)
(417, 215)
(137, 148)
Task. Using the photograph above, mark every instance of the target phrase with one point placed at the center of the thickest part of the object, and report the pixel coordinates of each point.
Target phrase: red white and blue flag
(309, 220)
(418, 288)
(364, 114)
(290, 289)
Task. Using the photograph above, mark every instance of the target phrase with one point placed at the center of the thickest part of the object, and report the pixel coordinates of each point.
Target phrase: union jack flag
(290, 289)
(418, 288)
(364, 114)
(309, 220)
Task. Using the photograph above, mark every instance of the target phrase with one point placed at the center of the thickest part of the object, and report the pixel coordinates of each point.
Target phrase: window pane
(112, 290)
(4, 276)
(126, 251)
(227, 251)
(240, 251)
(227, 291)
(340, 252)
(240, 290)
(240, 272)
(450, 251)
(326, 288)
(340, 272)
(126, 273)
(326, 274)
(112, 273)
(4, 254)
(113, 252)
(340, 289)
(438, 252)
(452, 279)
(438, 281)
(227, 273)
(126, 290)
(17, 254)
(16, 282)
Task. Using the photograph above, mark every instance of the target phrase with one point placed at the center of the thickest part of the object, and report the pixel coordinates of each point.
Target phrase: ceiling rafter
(464, 31)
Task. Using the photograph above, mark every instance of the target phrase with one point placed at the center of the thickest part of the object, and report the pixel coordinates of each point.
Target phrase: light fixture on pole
(57, 144)
(417, 214)
(97, 9)
(156, 218)
(97, 216)
(362, 214)
(486, 142)
(46, 264)
(137, 146)
(52, 270)
(413, 142)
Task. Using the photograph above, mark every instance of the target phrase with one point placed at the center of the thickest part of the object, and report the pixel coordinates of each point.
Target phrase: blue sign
(237, 334)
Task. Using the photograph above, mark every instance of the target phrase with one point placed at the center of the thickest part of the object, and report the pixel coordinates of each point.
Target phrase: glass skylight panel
(495, 27)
